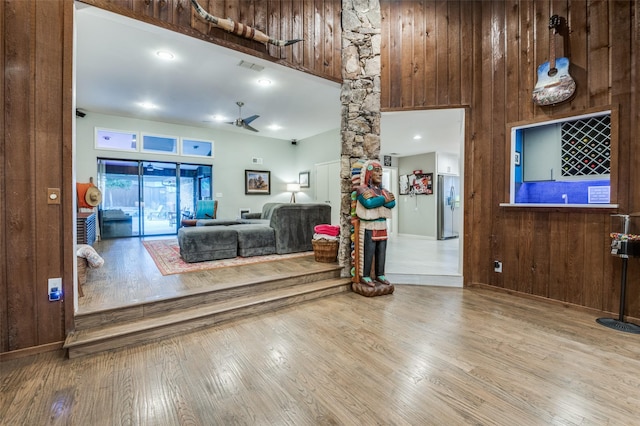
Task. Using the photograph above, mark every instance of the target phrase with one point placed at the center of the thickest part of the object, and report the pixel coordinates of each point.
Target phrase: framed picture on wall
(303, 179)
(257, 182)
(423, 183)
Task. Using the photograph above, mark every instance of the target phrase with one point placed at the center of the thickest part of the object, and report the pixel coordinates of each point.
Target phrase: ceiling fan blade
(250, 119)
(246, 126)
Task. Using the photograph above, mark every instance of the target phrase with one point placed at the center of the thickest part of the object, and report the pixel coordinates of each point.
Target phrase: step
(152, 328)
(137, 311)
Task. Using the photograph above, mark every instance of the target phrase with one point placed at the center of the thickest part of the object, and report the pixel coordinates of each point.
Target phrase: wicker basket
(82, 270)
(325, 251)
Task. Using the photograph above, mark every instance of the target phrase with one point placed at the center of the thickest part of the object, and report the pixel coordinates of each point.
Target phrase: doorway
(149, 198)
(428, 142)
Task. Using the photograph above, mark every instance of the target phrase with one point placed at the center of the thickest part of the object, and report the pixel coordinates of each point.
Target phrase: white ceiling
(117, 69)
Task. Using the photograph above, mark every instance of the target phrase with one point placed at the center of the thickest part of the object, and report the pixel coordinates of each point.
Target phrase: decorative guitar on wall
(554, 84)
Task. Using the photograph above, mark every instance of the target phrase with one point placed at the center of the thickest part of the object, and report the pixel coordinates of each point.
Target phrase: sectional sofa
(280, 228)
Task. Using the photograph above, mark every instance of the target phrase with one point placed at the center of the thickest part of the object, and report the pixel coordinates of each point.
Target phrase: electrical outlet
(497, 266)
(54, 291)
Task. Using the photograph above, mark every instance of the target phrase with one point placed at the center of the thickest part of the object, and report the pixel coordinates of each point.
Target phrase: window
(196, 148)
(563, 162)
(144, 198)
(159, 144)
(120, 140)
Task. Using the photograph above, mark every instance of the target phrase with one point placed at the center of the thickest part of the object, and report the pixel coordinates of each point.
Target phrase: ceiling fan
(243, 122)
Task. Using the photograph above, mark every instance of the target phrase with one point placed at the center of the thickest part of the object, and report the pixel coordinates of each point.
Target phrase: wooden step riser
(132, 313)
(165, 331)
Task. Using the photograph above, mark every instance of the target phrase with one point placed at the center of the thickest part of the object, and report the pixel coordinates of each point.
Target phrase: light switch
(54, 290)
(53, 196)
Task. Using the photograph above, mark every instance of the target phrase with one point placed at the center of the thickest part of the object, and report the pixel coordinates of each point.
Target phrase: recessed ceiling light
(219, 117)
(264, 82)
(164, 54)
(147, 105)
(274, 127)
(417, 137)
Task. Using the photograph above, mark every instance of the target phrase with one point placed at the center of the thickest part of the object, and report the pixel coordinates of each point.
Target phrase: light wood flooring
(421, 356)
(130, 276)
(424, 261)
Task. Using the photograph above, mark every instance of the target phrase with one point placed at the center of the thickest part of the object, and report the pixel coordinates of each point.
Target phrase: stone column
(360, 100)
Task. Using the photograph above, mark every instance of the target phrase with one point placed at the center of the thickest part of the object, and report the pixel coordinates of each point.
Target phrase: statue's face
(376, 175)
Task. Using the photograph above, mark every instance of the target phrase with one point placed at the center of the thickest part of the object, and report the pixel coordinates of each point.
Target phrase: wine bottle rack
(586, 147)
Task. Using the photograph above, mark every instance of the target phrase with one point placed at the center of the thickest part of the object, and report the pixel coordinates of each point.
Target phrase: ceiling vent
(249, 65)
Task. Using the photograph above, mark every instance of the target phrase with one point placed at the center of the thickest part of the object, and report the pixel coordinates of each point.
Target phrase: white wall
(322, 148)
(233, 153)
(417, 214)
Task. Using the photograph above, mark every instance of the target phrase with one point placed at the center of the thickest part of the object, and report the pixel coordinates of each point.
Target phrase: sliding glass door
(120, 209)
(159, 198)
(145, 198)
(195, 184)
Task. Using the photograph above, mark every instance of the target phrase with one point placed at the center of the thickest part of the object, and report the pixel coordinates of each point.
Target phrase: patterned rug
(166, 255)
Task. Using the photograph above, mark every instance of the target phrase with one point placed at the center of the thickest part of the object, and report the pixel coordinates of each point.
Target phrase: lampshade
(293, 187)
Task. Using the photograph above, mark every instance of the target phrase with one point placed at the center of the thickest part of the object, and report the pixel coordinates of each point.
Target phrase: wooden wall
(478, 54)
(35, 155)
(484, 54)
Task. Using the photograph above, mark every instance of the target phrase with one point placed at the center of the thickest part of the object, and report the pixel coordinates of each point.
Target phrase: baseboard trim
(33, 350)
(428, 280)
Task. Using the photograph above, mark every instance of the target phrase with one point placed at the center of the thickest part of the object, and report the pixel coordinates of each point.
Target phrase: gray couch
(280, 228)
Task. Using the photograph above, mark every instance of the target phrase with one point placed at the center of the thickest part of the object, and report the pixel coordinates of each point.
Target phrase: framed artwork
(423, 183)
(257, 182)
(303, 179)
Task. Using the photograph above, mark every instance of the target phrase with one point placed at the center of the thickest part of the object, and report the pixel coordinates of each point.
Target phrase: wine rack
(586, 147)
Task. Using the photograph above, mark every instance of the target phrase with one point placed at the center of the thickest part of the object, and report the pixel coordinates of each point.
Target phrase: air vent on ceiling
(251, 66)
(256, 160)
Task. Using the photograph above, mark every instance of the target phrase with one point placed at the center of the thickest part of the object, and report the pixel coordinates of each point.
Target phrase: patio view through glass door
(145, 198)
(159, 198)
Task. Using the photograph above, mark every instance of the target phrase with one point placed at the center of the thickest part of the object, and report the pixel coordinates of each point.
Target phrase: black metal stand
(620, 324)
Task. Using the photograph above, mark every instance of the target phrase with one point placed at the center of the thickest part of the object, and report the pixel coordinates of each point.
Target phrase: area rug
(166, 255)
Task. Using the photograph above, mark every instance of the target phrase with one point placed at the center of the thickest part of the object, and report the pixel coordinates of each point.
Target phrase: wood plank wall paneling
(562, 254)
(4, 324)
(19, 227)
(47, 143)
(631, 114)
(37, 125)
(67, 116)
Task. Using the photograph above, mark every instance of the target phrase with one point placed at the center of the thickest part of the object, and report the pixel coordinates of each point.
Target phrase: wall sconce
(293, 188)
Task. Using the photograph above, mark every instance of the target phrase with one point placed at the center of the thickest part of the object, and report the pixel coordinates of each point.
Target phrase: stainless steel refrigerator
(449, 214)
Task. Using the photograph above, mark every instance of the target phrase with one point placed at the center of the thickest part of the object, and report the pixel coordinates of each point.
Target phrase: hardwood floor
(422, 356)
(130, 276)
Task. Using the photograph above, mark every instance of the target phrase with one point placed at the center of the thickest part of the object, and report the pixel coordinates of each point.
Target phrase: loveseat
(115, 223)
(280, 228)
